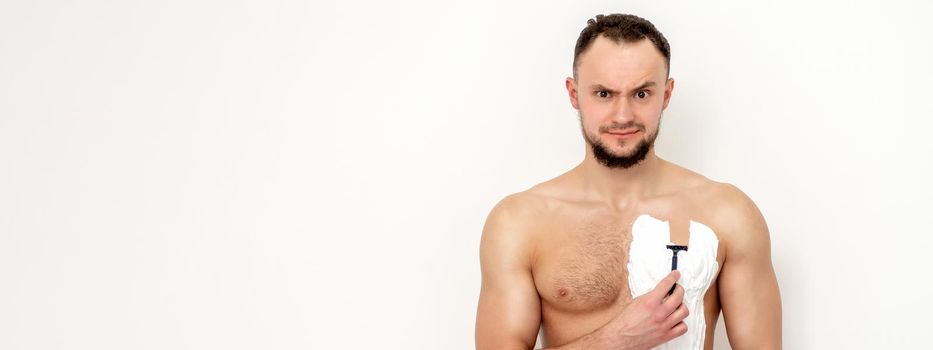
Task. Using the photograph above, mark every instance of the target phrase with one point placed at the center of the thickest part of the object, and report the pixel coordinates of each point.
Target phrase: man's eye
(641, 94)
(602, 93)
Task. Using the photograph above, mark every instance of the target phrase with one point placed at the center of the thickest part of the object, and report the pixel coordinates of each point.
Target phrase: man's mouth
(622, 133)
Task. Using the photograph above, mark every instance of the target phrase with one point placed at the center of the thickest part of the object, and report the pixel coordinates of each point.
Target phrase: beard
(624, 161)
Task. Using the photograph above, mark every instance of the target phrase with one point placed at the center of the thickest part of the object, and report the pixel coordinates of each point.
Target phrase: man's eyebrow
(646, 85)
(601, 87)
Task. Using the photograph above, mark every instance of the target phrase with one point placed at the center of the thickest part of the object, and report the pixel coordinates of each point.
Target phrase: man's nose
(622, 111)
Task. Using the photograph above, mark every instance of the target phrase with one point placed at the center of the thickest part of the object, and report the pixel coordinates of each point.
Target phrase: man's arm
(509, 312)
(748, 290)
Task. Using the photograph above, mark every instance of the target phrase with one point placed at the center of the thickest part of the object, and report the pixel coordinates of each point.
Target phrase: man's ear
(572, 92)
(668, 90)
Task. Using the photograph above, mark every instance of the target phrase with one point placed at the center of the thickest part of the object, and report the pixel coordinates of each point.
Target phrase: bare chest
(581, 266)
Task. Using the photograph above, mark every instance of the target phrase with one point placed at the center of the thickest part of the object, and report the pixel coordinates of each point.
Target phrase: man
(586, 256)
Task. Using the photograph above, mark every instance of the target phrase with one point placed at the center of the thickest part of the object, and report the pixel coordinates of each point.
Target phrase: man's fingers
(665, 285)
(677, 316)
(676, 331)
(673, 301)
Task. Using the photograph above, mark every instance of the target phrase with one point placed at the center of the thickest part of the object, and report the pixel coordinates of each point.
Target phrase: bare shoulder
(736, 219)
(517, 209)
(510, 225)
(732, 207)
(727, 200)
(731, 212)
(528, 206)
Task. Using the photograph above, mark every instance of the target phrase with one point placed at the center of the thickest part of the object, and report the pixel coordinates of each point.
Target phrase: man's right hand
(648, 321)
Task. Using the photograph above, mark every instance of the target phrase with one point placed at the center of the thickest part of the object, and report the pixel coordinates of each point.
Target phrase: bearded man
(626, 250)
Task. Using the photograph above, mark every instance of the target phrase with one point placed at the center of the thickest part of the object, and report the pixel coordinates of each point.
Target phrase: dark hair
(621, 28)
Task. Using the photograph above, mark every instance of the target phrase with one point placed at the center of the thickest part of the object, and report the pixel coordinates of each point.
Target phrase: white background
(295, 175)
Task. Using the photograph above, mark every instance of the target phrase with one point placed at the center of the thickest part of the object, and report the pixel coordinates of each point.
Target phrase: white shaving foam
(650, 261)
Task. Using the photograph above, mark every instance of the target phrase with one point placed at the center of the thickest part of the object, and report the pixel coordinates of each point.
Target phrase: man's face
(620, 91)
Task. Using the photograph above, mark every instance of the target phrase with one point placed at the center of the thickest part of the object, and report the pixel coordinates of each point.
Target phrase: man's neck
(619, 187)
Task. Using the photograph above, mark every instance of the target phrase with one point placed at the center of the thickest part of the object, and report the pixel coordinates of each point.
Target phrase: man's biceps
(739, 280)
(748, 288)
(505, 322)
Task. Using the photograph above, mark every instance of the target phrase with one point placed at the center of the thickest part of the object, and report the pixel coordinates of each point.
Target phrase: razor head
(674, 250)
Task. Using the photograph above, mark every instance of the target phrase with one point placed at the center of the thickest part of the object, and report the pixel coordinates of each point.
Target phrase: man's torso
(581, 250)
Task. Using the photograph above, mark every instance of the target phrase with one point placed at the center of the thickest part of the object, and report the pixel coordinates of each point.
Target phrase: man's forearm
(585, 342)
(594, 341)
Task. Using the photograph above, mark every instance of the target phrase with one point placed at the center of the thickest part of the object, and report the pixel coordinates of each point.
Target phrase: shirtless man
(583, 256)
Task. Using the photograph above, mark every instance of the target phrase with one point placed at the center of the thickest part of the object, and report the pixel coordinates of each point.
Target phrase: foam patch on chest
(650, 261)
